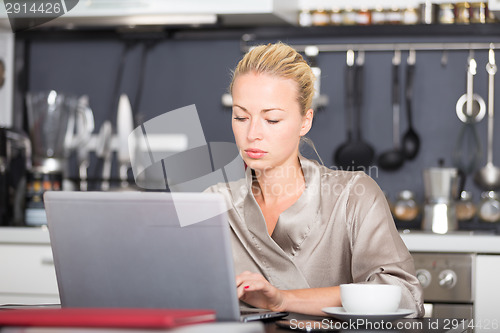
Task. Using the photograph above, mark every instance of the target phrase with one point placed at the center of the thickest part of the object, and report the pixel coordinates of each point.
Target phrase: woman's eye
(273, 121)
(240, 118)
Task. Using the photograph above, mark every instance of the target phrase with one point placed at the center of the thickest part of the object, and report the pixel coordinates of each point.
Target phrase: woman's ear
(307, 122)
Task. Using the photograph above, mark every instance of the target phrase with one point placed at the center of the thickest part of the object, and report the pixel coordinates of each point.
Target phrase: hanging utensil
(411, 140)
(356, 154)
(471, 106)
(363, 152)
(488, 177)
(103, 151)
(394, 158)
(349, 77)
(470, 109)
(124, 126)
(84, 125)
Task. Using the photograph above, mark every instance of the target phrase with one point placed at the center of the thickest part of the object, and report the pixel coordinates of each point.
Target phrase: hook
(350, 58)
(491, 54)
(412, 57)
(472, 63)
(396, 60)
(360, 60)
(444, 58)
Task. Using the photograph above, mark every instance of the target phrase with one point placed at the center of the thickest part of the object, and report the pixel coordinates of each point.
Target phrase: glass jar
(410, 16)
(336, 17)
(378, 16)
(405, 207)
(349, 16)
(490, 16)
(305, 18)
(466, 209)
(394, 16)
(462, 15)
(364, 17)
(320, 17)
(478, 12)
(446, 13)
(489, 207)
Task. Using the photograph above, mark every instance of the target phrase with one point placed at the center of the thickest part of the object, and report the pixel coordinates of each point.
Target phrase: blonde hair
(283, 61)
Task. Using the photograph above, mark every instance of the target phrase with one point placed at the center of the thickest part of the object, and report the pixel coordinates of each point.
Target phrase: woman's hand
(255, 290)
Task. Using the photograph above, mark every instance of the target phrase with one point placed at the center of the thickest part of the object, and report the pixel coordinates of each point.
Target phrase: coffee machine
(15, 161)
(441, 187)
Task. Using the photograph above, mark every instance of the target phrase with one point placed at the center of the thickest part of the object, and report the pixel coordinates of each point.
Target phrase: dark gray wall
(183, 72)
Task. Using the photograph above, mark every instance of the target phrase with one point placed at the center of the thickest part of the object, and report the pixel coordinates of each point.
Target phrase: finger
(242, 288)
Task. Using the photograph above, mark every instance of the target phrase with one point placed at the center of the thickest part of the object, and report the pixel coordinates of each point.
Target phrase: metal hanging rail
(385, 47)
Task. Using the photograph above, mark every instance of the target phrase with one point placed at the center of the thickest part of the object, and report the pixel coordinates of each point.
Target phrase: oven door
(442, 310)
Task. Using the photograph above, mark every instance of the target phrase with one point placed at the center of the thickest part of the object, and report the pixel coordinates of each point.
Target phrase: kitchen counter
(459, 241)
(20, 235)
(416, 241)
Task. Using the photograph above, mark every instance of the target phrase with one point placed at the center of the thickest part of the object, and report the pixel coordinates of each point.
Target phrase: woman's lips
(255, 153)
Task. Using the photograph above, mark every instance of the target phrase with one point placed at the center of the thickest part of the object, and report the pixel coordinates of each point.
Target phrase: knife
(124, 126)
(103, 151)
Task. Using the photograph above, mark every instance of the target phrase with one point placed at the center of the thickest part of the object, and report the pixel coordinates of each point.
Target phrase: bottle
(336, 16)
(466, 209)
(410, 16)
(405, 207)
(394, 16)
(478, 12)
(305, 18)
(320, 17)
(446, 13)
(349, 16)
(489, 208)
(490, 16)
(462, 15)
(364, 17)
(378, 15)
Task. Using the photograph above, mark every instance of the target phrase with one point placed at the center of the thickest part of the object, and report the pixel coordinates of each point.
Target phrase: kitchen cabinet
(487, 292)
(28, 274)
(114, 13)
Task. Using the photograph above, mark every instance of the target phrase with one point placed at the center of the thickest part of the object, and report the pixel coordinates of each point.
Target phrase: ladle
(355, 154)
(488, 177)
(411, 140)
(393, 159)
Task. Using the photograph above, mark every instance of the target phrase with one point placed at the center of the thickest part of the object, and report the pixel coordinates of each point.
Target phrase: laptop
(144, 250)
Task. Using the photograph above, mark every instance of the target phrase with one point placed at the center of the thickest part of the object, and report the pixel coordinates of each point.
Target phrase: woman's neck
(280, 182)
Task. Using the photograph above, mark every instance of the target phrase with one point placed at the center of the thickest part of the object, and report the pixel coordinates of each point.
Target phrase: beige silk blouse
(340, 230)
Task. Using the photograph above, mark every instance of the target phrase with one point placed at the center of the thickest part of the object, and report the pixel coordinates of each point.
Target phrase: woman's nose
(255, 130)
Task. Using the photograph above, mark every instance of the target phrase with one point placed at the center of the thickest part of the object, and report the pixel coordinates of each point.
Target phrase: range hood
(116, 13)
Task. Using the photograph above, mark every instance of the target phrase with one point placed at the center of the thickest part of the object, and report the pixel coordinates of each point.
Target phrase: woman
(300, 229)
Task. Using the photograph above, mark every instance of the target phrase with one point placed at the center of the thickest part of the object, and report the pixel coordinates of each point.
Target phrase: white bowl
(366, 298)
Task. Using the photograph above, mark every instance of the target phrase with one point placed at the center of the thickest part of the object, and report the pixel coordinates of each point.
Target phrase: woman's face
(267, 122)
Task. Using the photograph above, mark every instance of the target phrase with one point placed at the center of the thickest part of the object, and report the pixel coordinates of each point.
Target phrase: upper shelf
(418, 30)
(471, 32)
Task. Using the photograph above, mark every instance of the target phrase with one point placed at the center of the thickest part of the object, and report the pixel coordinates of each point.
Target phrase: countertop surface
(416, 241)
(21, 235)
(458, 241)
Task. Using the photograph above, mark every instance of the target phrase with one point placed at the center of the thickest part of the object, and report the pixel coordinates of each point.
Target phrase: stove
(447, 281)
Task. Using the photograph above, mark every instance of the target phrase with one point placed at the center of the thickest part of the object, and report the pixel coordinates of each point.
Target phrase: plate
(342, 314)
